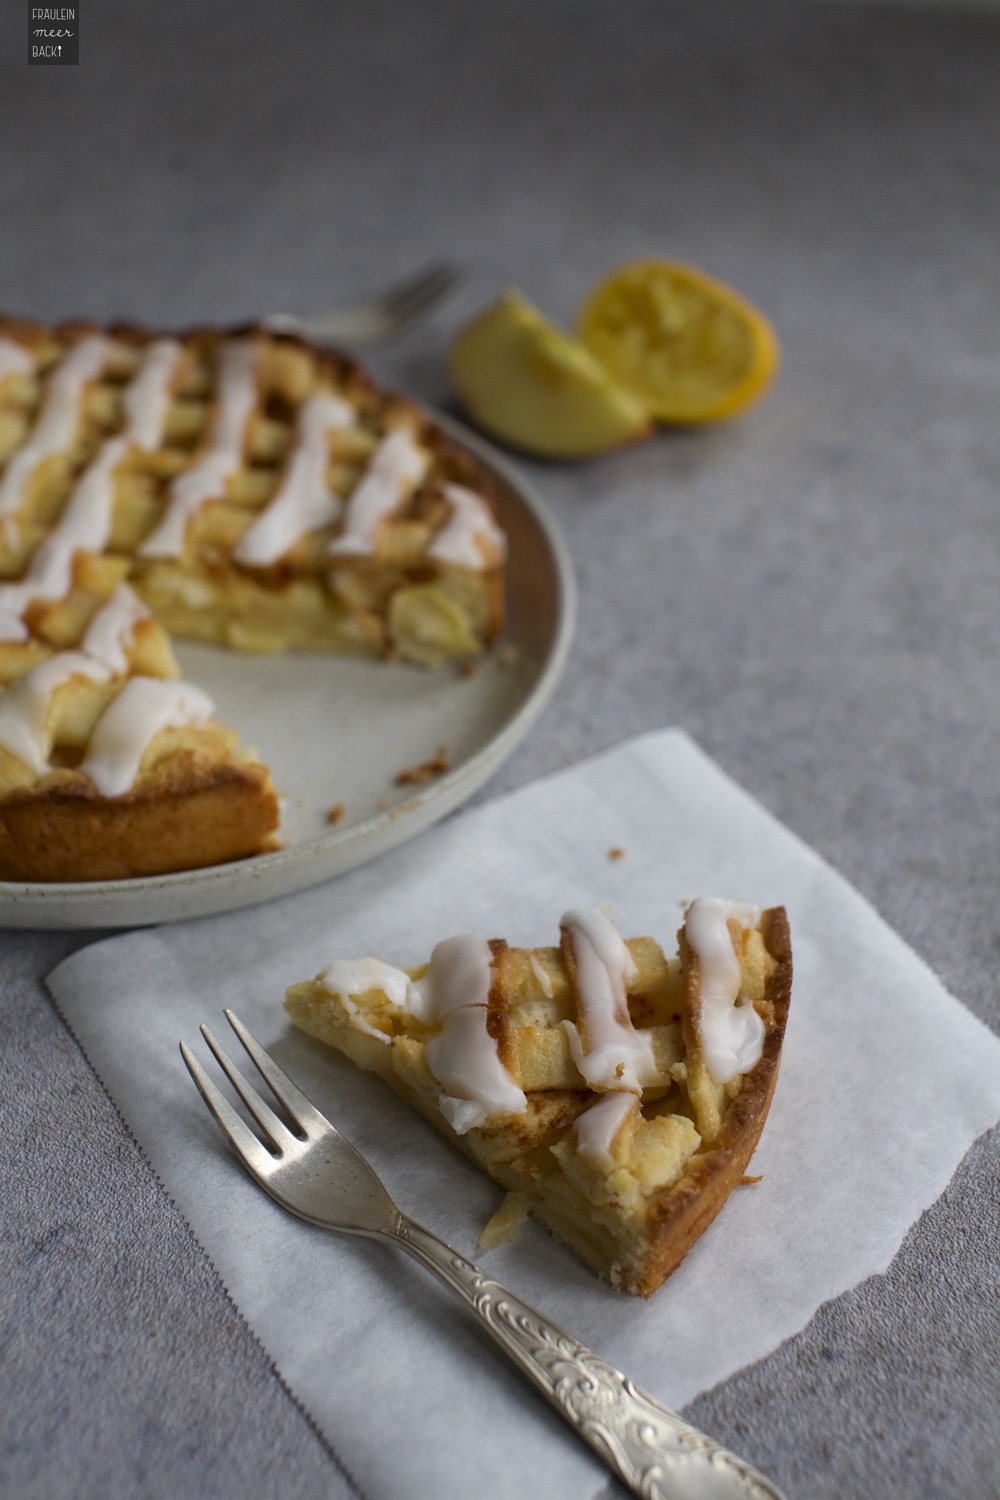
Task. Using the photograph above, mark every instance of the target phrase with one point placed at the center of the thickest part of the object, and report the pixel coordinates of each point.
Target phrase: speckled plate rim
(146, 900)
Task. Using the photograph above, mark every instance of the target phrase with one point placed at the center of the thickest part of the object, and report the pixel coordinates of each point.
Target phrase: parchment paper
(885, 1081)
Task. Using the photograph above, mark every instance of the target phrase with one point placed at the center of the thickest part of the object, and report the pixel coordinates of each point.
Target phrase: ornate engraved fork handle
(654, 1452)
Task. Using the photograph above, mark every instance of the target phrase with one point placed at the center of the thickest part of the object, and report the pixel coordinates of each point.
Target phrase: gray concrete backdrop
(811, 592)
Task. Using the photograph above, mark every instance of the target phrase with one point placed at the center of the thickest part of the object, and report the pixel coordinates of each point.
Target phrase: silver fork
(315, 1173)
(377, 318)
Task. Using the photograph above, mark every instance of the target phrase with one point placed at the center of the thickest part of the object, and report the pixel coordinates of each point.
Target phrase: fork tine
(303, 1112)
(254, 1154)
(410, 298)
(436, 275)
(268, 1121)
(421, 298)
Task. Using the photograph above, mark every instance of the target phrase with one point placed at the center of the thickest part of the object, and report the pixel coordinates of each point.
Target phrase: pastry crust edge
(68, 832)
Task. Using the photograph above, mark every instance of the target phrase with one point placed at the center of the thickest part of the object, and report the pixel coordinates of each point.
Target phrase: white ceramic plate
(337, 730)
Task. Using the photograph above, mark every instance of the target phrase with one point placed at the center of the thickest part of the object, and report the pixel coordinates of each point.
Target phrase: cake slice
(112, 767)
(616, 1094)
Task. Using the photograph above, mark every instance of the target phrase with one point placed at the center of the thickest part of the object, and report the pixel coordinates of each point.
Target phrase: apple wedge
(525, 381)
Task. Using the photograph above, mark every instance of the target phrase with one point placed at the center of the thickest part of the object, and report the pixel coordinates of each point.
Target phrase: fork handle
(651, 1450)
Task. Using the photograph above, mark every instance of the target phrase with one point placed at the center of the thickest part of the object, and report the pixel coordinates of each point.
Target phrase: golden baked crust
(406, 593)
(673, 1170)
(196, 802)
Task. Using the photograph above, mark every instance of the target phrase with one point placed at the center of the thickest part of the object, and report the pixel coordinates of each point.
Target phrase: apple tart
(616, 1094)
(248, 490)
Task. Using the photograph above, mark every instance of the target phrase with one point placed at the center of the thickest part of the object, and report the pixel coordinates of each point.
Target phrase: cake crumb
(468, 669)
(382, 804)
(749, 1181)
(336, 813)
(417, 775)
(616, 853)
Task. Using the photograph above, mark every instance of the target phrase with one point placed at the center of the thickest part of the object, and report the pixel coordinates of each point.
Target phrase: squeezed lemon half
(524, 380)
(687, 346)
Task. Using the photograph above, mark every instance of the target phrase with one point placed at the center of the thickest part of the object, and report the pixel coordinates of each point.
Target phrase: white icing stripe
(458, 974)
(210, 476)
(60, 415)
(731, 1034)
(14, 359)
(542, 976)
(147, 395)
(398, 465)
(123, 733)
(24, 707)
(56, 427)
(595, 1130)
(354, 976)
(463, 1057)
(470, 523)
(464, 1060)
(112, 629)
(610, 1053)
(304, 500)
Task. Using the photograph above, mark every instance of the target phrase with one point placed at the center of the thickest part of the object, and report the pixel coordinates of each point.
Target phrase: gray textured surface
(811, 592)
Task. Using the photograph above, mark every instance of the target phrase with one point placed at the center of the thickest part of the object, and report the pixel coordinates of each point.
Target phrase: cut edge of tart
(615, 1094)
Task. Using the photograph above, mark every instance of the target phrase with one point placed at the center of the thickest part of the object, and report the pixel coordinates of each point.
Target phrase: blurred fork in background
(378, 318)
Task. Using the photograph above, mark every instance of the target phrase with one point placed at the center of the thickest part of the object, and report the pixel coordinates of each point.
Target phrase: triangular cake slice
(616, 1093)
(110, 766)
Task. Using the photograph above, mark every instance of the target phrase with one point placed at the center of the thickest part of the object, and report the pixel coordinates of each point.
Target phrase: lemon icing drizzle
(24, 707)
(398, 464)
(463, 1057)
(605, 1046)
(112, 630)
(470, 523)
(129, 724)
(730, 1031)
(303, 501)
(355, 976)
(541, 974)
(58, 420)
(595, 1129)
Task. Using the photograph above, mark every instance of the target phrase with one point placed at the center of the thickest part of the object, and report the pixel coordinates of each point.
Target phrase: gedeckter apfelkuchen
(617, 1095)
(238, 488)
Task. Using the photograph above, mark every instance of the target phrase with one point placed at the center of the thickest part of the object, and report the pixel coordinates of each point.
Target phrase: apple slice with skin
(523, 380)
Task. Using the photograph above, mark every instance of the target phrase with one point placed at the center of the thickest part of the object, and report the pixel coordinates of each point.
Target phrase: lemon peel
(690, 348)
